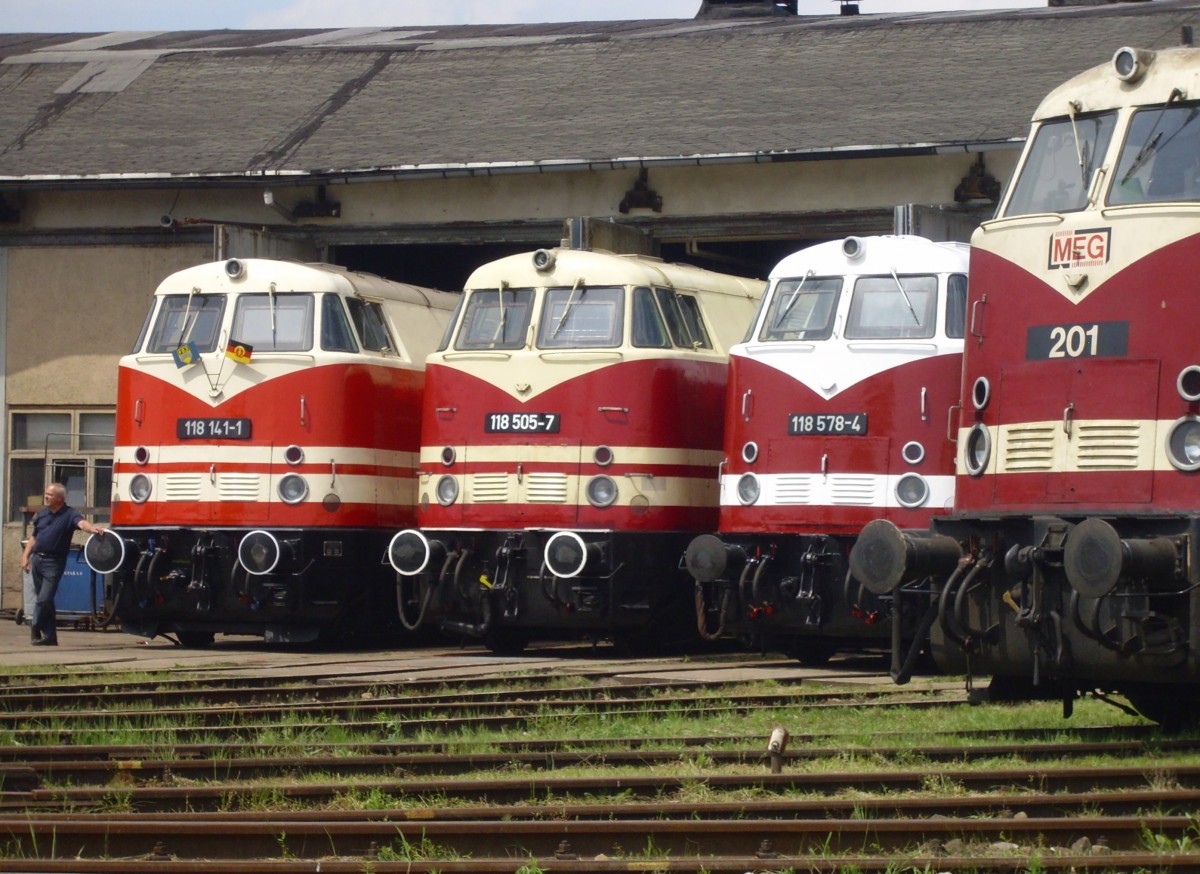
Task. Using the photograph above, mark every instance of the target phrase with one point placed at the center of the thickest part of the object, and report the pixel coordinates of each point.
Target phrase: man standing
(46, 554)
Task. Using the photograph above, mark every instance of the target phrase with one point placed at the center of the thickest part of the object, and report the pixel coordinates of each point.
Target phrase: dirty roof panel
(358, 100)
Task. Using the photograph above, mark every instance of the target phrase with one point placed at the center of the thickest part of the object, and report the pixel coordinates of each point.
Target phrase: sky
(89, 16)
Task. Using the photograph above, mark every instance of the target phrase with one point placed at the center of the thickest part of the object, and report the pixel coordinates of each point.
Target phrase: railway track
(238, 777)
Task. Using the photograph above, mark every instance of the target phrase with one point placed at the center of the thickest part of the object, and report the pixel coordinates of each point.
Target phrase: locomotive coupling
(1096, 558)
(707, 558)
(884, 556)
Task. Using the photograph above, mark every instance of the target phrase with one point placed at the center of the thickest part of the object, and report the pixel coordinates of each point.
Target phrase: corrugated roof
(146, 106)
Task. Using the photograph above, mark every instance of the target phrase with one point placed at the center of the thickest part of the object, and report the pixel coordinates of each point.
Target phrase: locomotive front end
(1068, 563)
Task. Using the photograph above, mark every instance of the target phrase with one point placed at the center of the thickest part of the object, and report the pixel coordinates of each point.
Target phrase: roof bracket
(641, 196)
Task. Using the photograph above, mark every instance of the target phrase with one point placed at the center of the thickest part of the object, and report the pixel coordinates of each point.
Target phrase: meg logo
(1082, 248)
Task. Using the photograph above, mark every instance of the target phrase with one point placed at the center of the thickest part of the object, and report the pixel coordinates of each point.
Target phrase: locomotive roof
(605, 268)
(289, 276)
(904, 254)
(1099, 87)
(243, 106)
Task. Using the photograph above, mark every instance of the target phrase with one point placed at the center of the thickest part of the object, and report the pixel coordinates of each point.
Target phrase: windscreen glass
(581, 318)
(274, 322)
(801, 309)
(193, 319)
(1059, 166)
(495, 319)
(1160, 160)
(892, 307)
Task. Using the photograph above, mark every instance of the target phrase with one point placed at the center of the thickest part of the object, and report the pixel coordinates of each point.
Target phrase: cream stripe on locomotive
(195, 487)
(1090, 445)
(206, 454)
(834, 490)
(572, 454)
(565, 489)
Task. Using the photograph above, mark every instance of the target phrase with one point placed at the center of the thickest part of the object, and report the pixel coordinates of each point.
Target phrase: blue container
(75, 591)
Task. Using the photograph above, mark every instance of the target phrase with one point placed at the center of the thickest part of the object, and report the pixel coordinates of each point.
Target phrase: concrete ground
(81, 649)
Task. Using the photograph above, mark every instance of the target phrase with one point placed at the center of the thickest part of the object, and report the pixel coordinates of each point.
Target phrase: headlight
(293, 489)
(448, 456)
(601, 491)
(981, 393)
(750, 452)
(912, 490)
(748, 489)
(913, 452)
(1183, 443)
(447, 490)
(293, 455)
(139, 488)
(978, 450)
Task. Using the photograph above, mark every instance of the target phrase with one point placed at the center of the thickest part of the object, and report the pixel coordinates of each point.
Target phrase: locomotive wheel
(1173, 708)
(811, 654)
(506, 641)
(195, 639)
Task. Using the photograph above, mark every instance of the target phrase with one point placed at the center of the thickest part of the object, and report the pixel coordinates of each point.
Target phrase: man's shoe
(41, 641)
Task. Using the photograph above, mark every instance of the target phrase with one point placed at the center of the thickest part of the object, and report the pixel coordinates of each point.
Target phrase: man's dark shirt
(52, 531)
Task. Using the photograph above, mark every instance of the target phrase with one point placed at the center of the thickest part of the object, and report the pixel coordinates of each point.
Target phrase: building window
(73, 447)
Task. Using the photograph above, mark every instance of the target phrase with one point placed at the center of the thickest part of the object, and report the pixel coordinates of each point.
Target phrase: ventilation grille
(795, 490)
(489, 488)
(1029, 448)
(853, 491)
(546, 488)
(1108, 446)
(239, 487)
(181, 486)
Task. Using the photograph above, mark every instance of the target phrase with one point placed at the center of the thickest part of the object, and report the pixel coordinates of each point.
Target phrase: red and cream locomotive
(1069, 562)
(837, 414)
(267, 428)
(570, 445)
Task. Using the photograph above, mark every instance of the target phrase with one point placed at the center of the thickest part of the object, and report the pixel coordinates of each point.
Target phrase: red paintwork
(891, 400)
(1156, 296)
(671, 403)
(352, 405)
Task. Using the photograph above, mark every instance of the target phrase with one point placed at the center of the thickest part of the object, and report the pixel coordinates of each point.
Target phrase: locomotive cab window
(581, 318)
(802, 309)
(1059, 164)
(372, 327)
(649, 330)
(683, 319)
(336, 335)
(893, 307)
(495, 319)
(956, 306)
(274, 322)
(1160, 159)
(194, 319)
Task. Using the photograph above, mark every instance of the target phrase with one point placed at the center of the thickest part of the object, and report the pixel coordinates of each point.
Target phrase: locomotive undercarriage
(1064, 605)
(500, 587)
(190, 584)
(792, 592)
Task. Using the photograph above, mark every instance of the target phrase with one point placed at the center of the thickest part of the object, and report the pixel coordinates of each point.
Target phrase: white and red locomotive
(571, 437)
(267, 428)
(1069, 562)
(837, 413)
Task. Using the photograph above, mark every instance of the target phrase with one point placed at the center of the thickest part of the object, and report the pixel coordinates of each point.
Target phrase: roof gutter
(405, 172)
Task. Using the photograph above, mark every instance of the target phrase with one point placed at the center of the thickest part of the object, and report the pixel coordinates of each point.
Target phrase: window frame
(52, 461)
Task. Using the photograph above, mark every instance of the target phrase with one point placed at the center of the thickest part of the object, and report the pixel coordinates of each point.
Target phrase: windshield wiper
(571, 301)
(185, 327)
(904, 294)
(1152, 143)
(791, 301)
